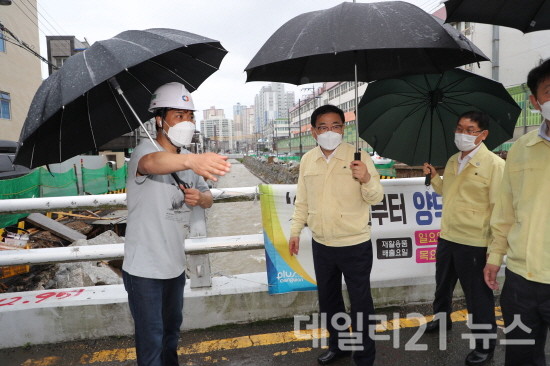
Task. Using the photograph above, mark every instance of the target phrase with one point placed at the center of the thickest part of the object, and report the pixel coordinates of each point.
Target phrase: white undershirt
(327, 158)
(463, 161)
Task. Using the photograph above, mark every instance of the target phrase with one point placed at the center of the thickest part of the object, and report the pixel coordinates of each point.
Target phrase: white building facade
(217, 131)
(272, 104)
(20, 70)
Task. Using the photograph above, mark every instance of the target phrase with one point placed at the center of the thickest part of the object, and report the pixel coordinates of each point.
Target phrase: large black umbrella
(88, 102)
(384, 39)
(360, 42)
(525, 15)
(412, 119)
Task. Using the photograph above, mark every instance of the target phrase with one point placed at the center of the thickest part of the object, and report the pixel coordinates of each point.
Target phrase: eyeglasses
(334, 128)
(467, 132)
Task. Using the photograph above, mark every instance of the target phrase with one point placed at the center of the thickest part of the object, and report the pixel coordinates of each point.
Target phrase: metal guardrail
(197, 249)
(107, 201)
(116, 250)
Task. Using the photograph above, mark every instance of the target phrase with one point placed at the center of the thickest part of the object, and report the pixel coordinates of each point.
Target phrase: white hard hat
(171, 95)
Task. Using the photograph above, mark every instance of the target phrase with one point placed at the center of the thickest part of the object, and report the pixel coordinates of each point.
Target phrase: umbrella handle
(428, 179)
(179, 181)
(357, 156)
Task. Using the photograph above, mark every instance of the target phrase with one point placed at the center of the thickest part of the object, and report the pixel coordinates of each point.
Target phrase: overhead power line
(28, 17)
(43, 10)
(26, 11)
(427, 4)
(435, 6)
(23, 45)
(43, 17)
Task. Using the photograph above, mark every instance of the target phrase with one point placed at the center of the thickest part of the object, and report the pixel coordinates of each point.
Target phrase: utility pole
(525, 105)
(312, 88)
(273, 141)
(216, 137)
(289, 137)
(300, 125)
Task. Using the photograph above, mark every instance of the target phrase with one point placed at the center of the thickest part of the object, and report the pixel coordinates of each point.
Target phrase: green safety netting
(117, 178)
(43, 183)
(95, 181)
(283, 158)
(103, 180)
(386, 170)
(57, 184)
(27, 186)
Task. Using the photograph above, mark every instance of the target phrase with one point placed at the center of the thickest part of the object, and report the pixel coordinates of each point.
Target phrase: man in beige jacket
(333, 198)
(521, 230)
(471, 181)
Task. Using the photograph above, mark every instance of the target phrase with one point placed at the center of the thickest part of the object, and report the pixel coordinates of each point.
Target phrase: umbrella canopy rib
(32, 154)
(209, 45)
(297, 41)
(90, 120)
(114, 94)
(137, 80)
(90, 70)
(135, 44)
(444, 127)
(179, 77)
(207, 64)
(419, 130)
(60, 133)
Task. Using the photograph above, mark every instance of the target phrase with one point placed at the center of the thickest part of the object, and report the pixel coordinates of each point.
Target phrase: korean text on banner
(405, 230)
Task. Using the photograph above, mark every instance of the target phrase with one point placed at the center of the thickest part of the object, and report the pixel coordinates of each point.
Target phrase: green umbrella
(412, 119)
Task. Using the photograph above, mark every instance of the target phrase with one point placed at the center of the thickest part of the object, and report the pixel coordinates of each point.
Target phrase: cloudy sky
(242, 26)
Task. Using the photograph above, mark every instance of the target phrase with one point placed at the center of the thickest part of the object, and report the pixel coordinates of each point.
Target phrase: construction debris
(57, 228)
(81, 274)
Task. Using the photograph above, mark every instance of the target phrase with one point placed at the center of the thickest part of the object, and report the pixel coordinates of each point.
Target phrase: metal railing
(197, 249)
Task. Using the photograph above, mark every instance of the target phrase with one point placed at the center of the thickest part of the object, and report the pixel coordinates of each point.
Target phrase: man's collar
(534, 138)
(544, 131)
(319, 153)
(477, 154)
(471, 154)
(340, 152)
(337, 153)
(480, 147)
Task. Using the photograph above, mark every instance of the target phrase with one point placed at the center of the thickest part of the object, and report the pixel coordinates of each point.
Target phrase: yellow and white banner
(405, 229)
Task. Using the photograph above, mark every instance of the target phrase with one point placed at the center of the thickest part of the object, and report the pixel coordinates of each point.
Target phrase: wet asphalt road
(265, 343)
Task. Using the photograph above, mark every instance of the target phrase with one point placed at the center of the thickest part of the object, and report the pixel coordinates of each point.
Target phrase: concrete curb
(52, 316)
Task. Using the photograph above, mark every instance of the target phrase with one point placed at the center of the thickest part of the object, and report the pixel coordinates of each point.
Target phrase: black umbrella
(360, 42)
(88, 102)
(525, 15)
(412, 119)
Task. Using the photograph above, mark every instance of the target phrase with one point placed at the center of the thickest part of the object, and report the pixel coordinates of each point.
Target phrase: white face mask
(545, 109)
(180, 134)
(465, 142)
(329, 140)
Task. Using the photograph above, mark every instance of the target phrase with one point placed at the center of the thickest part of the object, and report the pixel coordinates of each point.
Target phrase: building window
(5, 105)
(59, 60)
(2, 42)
